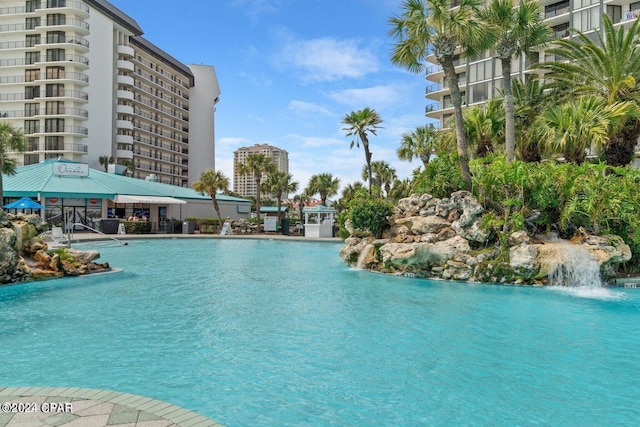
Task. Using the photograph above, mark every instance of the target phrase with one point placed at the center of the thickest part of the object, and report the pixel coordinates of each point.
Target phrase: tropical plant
(359, 124)
(515, 29)
(440, 178)
(484, 126)
(401, 188)
(607, 67)
(323, 184)
(301, 199)
(575, 127)
(211, 182)
(419, 144)
(255, 166)
(382, 175)
(371, 215)
(279, 183)
(435, 27)
(105, 161)
(529, 100)
(129, 166)
(11, 140)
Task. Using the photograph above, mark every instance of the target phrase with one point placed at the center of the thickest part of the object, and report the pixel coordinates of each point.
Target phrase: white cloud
(327, 59)
(372, 96)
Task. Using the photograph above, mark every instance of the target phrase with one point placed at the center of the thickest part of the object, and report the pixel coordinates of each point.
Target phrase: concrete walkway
(81, 407)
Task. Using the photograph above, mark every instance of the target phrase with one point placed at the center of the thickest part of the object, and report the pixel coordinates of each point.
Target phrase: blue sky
(289, 70)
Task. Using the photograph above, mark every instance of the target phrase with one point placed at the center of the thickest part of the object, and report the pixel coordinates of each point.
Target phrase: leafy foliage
(440, 178)
(370, 215)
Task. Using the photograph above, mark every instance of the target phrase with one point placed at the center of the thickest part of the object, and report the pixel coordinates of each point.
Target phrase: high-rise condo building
(245, 185)
(480, 79)
(83, 84)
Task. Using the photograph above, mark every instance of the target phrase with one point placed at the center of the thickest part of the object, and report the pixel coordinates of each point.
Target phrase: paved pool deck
(89, 236)
(81, 407)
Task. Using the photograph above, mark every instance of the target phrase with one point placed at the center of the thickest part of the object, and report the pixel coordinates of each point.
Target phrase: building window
(31, 109)
(55, 55)
(54, 125)
(32, 40)
(31, 159)
(31, 75)
(32, 23)
(56, 3)
(56, 19)
(55, 90)
(31, 58)
(55, 37)
(55, 107)
(54, 143)
(55, 72)
(32, 5)
(32, 144)
(31, 126)
(31, 92)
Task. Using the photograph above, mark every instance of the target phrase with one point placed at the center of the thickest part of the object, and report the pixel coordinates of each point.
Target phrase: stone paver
(76, 407)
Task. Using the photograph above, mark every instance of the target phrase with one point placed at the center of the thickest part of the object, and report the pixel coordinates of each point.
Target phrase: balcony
(17, 10)
(125, 80)
(78, 43)
(72, 130)
(10, 28)
(63, 93)
(76, 59)
(125, 65)
(124, 109)
(124, 154)
(62, 148)
(125, 94)
(66, 75)
(124, 139)
(77, 7)
(126, 51)
(124, 124)
(77, 25)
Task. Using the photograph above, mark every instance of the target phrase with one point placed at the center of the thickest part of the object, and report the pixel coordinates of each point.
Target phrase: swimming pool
(254, 332)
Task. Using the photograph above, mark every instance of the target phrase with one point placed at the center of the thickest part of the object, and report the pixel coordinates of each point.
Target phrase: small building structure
(318, 221)
(73, 193)
(270, 222)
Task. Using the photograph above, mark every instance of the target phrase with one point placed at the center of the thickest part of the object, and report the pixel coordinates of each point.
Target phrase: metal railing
(72, 227)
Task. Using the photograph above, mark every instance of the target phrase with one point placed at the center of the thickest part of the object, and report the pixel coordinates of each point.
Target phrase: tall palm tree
(359, 124)
(608, 67)
(255, 166)
(571, 129)
(433, 26)
(515, 29)
(11, 140)
(419, 144)
(301, 199)
(105, 161)
(279, 183)
(484, 126)
(324, 184)
(211, 181)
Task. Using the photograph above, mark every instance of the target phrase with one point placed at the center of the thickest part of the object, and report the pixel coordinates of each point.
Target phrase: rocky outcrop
(444, 238)
(25, 256)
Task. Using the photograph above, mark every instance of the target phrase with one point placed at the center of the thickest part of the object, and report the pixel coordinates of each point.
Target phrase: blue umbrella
(24, 203)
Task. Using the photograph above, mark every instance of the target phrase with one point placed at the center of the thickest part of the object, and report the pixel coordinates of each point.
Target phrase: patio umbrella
(24, 203)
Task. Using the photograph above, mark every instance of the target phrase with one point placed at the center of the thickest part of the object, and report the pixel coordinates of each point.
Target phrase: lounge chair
(56, 235)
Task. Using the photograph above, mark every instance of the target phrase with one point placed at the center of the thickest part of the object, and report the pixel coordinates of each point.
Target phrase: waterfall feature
(576, 266)
(363, 256)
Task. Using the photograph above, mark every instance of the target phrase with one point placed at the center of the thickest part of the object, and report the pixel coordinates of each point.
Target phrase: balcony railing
(555, 10)
(68, 4)
(12, 10)
(432, 88)
(79, 130)
(79, 23)
(63, 93)
(54, 146)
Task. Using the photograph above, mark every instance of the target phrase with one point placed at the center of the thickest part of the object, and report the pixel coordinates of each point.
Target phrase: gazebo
(318, 221)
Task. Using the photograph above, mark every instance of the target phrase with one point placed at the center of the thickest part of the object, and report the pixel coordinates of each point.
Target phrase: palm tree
(359, 124)
(301, 199)
(571, 129)
(105, 161)
(279, 183)
(529, 101)
(383, 175)
(210, 182)
(516, 29)
(11, 140)
(484, 126)
(433, 26)
(609, 68)
(324, 184)
(419, 144)
(129, 167)
(256, 165)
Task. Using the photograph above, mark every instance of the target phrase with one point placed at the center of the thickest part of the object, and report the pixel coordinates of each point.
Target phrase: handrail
(94, 230)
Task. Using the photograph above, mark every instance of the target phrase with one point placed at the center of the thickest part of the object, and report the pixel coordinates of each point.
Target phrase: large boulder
(422, 256)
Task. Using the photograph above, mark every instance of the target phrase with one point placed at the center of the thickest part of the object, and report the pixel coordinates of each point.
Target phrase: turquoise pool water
(271, 333)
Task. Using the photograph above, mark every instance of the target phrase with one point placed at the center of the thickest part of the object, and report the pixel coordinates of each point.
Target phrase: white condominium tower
(480, 79)
(82, 83)
(244, 185)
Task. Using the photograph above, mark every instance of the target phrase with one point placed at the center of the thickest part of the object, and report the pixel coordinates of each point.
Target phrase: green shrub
(137, 227)
(440, 178)
(370, 215)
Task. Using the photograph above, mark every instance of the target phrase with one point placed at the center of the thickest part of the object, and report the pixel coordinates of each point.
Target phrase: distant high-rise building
(245, 185)
(80, 81)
